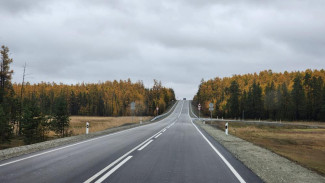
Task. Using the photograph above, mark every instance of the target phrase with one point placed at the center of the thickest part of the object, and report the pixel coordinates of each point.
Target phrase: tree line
(100, 99)
(32, 110)
(267, 95)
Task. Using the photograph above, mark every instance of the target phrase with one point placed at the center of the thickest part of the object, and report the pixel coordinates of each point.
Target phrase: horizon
(177, 42)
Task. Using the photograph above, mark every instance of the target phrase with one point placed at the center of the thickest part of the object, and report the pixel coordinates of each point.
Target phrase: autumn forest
(32, 110)
(266, 95)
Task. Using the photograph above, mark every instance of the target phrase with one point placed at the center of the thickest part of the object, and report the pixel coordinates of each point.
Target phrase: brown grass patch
(305, 146)
(78, 126)
(78, 123)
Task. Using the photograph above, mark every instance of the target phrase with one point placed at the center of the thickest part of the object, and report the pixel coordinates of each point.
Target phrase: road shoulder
(46, 145)
(269, 166)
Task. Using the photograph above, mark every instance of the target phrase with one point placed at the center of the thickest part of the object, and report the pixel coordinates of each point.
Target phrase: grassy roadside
(78, 123)
(305, 146)
(78, 126)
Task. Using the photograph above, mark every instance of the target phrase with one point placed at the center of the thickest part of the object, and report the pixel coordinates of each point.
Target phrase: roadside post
(211, 109)
(132, 109)
(226, 128)
(157, 110)
(87, 128)
(199, 107)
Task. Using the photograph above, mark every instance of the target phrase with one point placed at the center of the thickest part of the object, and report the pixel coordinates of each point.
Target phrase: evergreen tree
(308, 87)
(5, 73)
(255, 102)
(60, 121)
(316, 95)
(284, 95)
(7, 109)
(34, 123)
(5, 127)
(74, 105)
(243, 105)
(284, 101)
(298, 99)
(270, 101)
(322, 109)
(233, 101)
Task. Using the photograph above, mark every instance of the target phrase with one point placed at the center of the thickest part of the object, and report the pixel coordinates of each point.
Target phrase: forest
(292, 96)
(32, 110)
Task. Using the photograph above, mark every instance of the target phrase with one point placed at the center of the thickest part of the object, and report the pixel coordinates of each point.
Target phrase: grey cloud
(179, 42)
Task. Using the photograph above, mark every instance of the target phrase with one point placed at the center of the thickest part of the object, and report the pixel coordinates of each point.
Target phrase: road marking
(119, 159)
(113, 170)
(191, 109)
(53, 150)
(170, 125)
(145, 145)
(71, 145)
(181, 110)
(158, 135)
(241, 180)
(164, 130)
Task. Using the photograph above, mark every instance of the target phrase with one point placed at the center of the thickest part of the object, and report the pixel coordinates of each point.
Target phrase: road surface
(171, 150)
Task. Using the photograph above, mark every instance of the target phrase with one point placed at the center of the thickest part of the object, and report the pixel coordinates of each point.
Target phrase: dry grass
(15, 142)
(78, 123)
(322, 124)
(78, 126)
(303, 145)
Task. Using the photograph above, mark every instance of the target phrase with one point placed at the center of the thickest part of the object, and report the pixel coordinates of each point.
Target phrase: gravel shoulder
(269, 166)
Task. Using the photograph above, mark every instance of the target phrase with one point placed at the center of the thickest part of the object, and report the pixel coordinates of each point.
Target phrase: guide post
(226, 128)
(87, 128)
(132, 109)
(199, 107)
(211, 109)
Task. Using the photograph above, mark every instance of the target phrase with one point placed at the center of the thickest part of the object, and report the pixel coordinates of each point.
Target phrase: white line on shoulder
(241, 180)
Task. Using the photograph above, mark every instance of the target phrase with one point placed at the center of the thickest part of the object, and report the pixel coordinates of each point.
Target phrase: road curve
(172, 150)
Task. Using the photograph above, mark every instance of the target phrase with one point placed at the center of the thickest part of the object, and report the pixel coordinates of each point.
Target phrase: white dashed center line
(158, 135)
(145, 145)
(113, 170)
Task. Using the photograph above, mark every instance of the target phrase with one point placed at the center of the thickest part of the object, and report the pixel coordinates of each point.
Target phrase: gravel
(269, 166)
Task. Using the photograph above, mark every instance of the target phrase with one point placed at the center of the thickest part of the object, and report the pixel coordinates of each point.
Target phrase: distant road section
(171, 150)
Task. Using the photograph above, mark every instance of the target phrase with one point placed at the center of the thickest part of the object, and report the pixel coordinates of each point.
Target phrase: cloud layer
(177, 42)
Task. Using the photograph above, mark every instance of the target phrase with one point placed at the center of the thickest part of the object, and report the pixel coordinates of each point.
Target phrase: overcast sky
(176, 41)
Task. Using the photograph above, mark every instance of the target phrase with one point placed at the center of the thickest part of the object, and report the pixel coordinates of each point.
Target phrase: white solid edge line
(241, 180)
(119, 159)
(145, 145)
(221, 156)
(158, 135)
(71, 145)
(113, 170)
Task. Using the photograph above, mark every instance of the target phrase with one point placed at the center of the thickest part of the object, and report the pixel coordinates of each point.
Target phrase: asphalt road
(172, 150)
